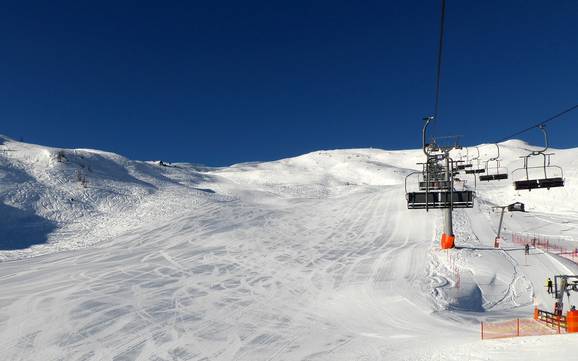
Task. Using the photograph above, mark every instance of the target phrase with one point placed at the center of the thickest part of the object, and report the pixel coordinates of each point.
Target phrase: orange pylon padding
(572, 321)
(447, 241)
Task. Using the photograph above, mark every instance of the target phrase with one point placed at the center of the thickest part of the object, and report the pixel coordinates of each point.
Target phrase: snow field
(309, 258)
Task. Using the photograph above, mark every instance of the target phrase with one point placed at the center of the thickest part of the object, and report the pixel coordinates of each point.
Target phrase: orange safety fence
(561, 247)
(516, 328)
(552, 320)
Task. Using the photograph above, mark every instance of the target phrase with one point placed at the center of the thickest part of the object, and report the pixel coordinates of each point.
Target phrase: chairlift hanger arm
(542, 127)
(424, 134)
(498, 156)
(407, 176)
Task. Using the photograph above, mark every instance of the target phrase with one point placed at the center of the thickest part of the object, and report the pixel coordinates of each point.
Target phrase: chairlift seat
(463, 166)
(539, 183)
(526, 184)
(492, 177)
(439, 200)
(551, 182)
(434, 185)
(517, 207)
(475, 171)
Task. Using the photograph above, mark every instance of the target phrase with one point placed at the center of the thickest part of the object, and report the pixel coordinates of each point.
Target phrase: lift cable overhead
(574, 107)
(439, 64)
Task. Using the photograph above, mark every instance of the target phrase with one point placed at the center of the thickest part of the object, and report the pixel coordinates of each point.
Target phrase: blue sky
(231, 81)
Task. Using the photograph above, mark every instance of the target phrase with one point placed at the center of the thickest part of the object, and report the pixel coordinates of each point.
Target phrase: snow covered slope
(309, 258)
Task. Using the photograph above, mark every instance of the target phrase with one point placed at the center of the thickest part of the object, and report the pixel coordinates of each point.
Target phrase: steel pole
(501, 220)
(448, 224)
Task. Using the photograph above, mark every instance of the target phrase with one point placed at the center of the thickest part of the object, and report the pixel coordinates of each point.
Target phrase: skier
(549, 284)
(527, 248)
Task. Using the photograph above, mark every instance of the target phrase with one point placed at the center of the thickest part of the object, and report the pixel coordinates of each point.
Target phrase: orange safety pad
(447, 241)
(572, 321)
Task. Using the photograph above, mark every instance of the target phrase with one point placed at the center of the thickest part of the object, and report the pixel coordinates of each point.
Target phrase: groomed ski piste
(311, 258)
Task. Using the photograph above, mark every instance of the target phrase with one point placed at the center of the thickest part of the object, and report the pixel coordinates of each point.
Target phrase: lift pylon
(436, 186)
(563, 286)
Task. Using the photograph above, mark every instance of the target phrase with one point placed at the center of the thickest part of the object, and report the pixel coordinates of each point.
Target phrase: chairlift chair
(517, 207)
(440, 199)
(433, 181)
(545, 182)
(432, 176)
(478, 169)
(436, 194)
(466, 164)
(436, 190)
(494, 173)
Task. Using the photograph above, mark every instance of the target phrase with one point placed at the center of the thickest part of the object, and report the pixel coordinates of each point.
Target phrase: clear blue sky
(220, 82)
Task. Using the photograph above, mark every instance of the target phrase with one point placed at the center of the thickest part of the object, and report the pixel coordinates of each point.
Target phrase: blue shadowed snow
(21, 229)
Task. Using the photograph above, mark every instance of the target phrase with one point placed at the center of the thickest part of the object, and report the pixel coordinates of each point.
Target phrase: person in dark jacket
(549, 284)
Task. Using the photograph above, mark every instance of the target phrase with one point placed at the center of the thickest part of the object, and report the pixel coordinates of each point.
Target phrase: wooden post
(558, 319)
(518, 327)
(482, 329)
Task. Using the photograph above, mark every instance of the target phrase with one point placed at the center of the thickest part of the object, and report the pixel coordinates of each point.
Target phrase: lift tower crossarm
(514, 207)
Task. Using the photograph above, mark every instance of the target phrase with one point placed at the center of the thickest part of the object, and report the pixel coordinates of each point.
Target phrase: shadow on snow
(21, 229)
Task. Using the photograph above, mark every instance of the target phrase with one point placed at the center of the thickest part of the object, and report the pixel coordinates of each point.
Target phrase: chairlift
(466, 164)
(478, 169)
(441, 195)
(494, 173)
(545, 182)
(517, 207)
(436, 190)
(432, 176)
(440, 199)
